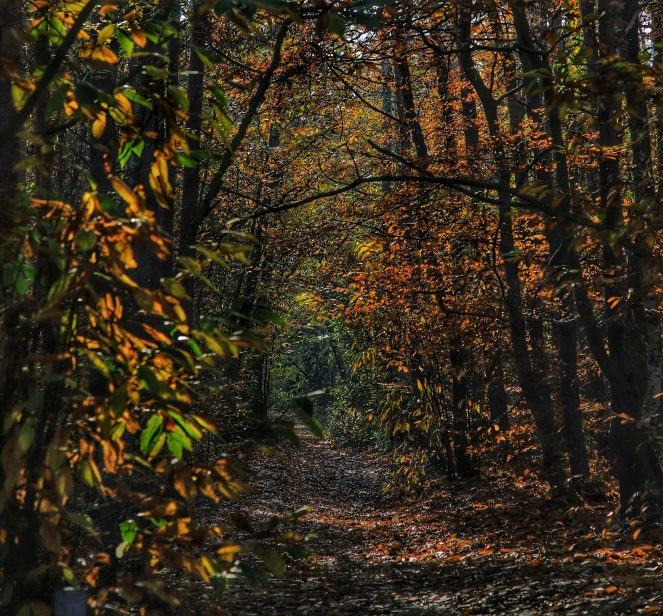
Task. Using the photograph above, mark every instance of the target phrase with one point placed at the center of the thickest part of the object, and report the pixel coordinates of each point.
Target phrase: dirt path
(494, 547)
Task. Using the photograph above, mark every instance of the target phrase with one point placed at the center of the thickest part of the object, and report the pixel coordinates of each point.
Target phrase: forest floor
(490, 546)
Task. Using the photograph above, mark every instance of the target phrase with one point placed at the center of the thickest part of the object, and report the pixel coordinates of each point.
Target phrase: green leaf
(207, 57)
(181, 437)
(98, 363)
(203, 423)
(268, 315)
(174, 288)
(187, 161)
(87, 474)
(26, 436)
(179, 97)
(134, 97)
(36, 402)
(126, 44)
(194, 347)
(151, 432)
(220, 97)
(86, 523)
(89, 95)
(223, 6)
(183, 359)
(135, 146)
(56, 102)
(174, 445)
(273, 561)
(191, 429)
(128, 531)
(296, 515)
(159, 523)
(309, 421)
(303, 408)
(86, 240)
(287, 433)
(298, 551)
(158, 445)
(252, 575)
(109, 206)
(118, 401)
(56, 30)
(219, 583)
(150, 381)
(59, 289)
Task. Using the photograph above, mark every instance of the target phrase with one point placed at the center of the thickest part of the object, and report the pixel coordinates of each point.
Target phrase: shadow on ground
(491, 547)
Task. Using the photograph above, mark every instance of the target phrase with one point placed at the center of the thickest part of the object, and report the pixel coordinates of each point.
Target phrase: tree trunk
(409, 116)
(635, 461)
(460, 396)
(532, 382)
(497, 398)
(10, 49)
(191, 175)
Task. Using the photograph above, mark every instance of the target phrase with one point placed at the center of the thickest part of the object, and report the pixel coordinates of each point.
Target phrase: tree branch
(256, 100)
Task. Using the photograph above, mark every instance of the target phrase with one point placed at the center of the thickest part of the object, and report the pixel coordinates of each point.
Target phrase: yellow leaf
(70, 107)
(227, 552)
(127, 194)
(99, 125)
(123, 101)
(105, 33)
(108, 8)
(104, 54)
(138, 37)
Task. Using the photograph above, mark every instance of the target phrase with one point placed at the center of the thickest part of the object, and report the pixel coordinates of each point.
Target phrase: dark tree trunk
(497, 399)
(10, 154)
(534, 386)
(191, 175)
(635, 462)
(408, 114)
(459, 358)
(564, 331)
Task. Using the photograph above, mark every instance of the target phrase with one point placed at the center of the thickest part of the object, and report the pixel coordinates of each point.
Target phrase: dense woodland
(427, 231)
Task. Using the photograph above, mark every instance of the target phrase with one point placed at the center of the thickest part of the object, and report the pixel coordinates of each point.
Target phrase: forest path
(493, 547)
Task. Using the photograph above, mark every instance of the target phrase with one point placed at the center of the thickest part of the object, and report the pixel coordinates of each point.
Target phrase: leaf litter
(479, 546)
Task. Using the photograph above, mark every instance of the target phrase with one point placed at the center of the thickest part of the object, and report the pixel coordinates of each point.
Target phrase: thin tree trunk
(497, 399)
(191, 175)
(460, 396)
(409, 114)
(536, 392)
